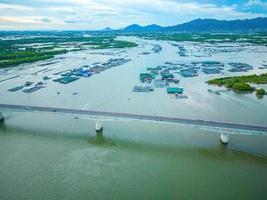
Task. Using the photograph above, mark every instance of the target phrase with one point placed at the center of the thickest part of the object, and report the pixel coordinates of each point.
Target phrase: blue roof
(175, 90)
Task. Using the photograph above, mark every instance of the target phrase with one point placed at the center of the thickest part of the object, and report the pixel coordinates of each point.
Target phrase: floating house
(146, 77)
(240, 67)
(167, 76)
(211, 63)
(150, 68)
(211, 70)
(158, 83)
(143, 89)
(175, 90)
(182, 51)
(188, 73)
(33, 89)
(83, 72)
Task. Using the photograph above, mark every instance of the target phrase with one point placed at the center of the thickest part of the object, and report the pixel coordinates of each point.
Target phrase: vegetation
(255, 79)
(243, 87)
(116, 44)
(27, 48)
(104, 41)
(260, 92)
(242, 83)
(14, 58)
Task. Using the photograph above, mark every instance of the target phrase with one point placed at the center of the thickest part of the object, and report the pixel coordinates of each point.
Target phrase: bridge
(222, 125)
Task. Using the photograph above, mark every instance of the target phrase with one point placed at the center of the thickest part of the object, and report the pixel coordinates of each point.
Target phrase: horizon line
(120, 29)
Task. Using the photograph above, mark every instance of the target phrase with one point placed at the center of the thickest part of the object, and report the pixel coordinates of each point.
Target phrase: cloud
(255, 6)
(15, 7)
(256, 3)
(96, 14)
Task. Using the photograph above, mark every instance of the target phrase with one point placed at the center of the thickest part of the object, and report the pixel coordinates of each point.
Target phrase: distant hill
(220, 25)
(136, 27)
(107, 29)
(207, 25)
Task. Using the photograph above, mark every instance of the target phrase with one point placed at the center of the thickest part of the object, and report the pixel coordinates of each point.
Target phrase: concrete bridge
(221, 125)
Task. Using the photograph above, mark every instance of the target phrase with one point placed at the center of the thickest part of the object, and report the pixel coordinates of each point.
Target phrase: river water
(52, 156)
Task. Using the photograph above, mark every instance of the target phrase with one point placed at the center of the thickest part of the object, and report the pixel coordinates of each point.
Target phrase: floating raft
(66, 79)
(14, 89)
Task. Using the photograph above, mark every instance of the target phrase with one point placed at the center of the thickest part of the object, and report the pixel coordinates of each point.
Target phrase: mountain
(220, 25)
(107, 29)
(153, 27)
(136, 27)
(206, 25)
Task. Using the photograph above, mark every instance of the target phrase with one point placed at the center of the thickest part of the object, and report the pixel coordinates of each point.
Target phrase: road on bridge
(180, 120)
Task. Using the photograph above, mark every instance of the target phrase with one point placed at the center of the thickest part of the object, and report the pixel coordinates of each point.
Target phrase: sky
(98, 14)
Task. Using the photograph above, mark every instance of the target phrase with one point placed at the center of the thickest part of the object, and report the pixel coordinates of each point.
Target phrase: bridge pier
(1, 117)
(224, 138)
(98, 125)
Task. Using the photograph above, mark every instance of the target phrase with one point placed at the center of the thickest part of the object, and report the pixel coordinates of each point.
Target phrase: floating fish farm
(26, 87)
(87, 71)
(240, 67)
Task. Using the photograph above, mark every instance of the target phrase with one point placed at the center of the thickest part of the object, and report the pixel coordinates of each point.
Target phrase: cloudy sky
(98, 14)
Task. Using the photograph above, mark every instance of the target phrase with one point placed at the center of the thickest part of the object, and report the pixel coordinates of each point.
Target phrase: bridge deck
(198, 122)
